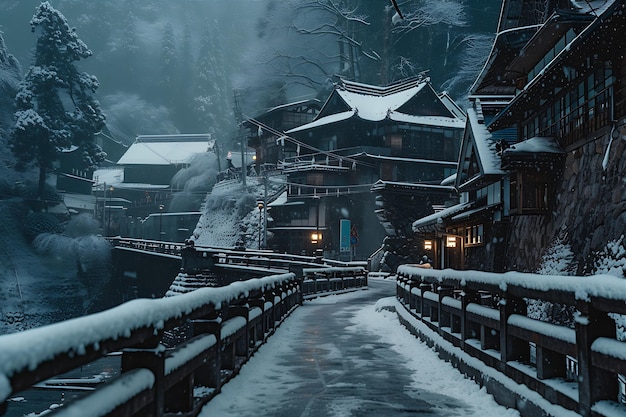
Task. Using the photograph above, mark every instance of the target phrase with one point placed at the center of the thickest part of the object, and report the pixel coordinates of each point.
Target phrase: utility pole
(239, 119)
(265, 210)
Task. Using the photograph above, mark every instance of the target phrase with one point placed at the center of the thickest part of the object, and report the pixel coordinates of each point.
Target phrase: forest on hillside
(172, 67)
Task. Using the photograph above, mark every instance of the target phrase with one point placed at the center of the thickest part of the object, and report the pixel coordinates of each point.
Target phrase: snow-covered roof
(453, 122)
(536, 145)
(375, 104)
(166, 149)
(79, 201)
(439, 216)
(109, 176)
(485, 146)
(327, 120)
(376, 107)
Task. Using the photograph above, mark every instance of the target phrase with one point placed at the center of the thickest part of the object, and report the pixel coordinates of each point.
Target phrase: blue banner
(344, 235)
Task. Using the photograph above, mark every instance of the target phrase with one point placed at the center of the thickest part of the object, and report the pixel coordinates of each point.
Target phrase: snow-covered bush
(612, 260)
(557, 260)
(82, 225)
(38, 223)
(87, 252)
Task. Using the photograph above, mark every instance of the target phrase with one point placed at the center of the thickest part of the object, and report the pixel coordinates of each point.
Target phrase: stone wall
(589, 211)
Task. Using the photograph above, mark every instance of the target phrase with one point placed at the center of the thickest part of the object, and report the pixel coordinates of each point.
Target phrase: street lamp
(161, 207)
(260, 204)
(109, 222)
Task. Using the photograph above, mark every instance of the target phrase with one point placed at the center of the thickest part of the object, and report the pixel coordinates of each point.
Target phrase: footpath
(338, 356)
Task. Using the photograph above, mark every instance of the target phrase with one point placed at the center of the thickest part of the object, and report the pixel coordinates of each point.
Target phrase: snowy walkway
(337, 356)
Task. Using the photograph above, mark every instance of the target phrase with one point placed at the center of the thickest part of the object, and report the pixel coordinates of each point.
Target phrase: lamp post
(316, 237)
(260, 204)
(109, 222)
(161, 207)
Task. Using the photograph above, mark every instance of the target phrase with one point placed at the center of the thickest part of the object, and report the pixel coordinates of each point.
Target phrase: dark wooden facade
(404, 133)
(545, 97)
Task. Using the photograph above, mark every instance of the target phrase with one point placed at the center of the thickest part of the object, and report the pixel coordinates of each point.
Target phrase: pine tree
(211, 100)
(10, 74)
(169, 66)
(55, 107)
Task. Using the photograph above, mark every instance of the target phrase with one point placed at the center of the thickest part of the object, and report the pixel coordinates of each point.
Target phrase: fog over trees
(162, 67)
(167, 67)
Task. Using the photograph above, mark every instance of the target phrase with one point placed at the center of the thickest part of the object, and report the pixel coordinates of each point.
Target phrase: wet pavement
(320, 363)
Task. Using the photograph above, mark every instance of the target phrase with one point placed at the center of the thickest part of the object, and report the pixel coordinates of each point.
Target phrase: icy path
(337, 356)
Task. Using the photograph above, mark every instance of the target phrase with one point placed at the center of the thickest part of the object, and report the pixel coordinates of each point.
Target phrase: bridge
(177, 353)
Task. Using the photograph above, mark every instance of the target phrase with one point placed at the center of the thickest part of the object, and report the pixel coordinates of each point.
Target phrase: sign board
(354, 236)
(344, 235)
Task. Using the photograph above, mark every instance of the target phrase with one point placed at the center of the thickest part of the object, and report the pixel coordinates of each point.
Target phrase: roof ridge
(381, 91)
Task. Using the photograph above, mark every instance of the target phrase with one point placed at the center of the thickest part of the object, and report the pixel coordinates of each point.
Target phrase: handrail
(230, 255)
(227, 324)
(485, 315)
(136, 327)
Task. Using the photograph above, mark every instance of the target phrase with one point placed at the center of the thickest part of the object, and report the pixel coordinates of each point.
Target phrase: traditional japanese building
(542, 160)
(366, 138)
(140, 183)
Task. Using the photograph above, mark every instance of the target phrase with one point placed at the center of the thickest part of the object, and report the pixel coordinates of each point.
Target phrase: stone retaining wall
(589, 212)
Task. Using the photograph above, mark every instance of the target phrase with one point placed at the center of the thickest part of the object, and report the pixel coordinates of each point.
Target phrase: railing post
(593, 384)
(467, 297)
(209, 375)
(153, 359)
(413, 299)
(510, 347)
(444, 321)
(241, 345)
(424, 312)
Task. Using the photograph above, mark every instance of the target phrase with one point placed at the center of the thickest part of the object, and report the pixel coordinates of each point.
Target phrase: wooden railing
(227, 325)
(319, 280)
(580, 368)
(199, 256)
(217, 330)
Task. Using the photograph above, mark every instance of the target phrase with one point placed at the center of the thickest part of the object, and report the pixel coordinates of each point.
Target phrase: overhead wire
(283, 135)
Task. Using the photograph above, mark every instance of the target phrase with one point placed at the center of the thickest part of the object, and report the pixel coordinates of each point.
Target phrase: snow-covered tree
(169, 65)
(55, 106)
(10, 74)
(211, 87)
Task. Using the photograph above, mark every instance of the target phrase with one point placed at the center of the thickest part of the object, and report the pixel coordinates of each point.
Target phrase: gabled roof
(478, 161)
(166, 149)
(413, 101)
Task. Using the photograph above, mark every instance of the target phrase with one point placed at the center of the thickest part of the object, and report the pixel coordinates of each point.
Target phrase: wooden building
(367, 142)
(548, 105)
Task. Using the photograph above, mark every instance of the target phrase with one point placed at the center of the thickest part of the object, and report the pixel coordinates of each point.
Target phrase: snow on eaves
(333, 118)
(453, 122)
(536, 145)
(436, 217)
(485, 146)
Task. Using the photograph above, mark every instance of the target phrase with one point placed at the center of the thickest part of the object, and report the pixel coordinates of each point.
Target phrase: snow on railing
(490, 322)
(136, 328)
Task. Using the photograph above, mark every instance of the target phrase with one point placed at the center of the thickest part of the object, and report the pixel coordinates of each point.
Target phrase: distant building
(365, 138)
(74, 181)
(542, 156)
(140, 182)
